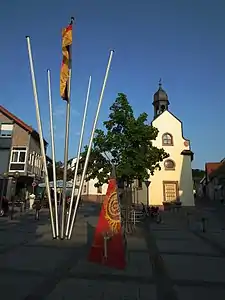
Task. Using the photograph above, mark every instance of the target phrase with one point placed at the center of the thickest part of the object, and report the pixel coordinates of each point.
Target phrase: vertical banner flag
(66, 62)
(108, 246)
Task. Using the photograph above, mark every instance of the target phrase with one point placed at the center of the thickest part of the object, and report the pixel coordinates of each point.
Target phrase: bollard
(203, 224)
(188, 219)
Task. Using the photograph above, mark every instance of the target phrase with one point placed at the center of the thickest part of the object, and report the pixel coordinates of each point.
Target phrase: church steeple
(160, 102)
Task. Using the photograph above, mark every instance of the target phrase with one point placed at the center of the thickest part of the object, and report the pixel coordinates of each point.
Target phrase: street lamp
(4, 175)
(147, 183)
(16, 175)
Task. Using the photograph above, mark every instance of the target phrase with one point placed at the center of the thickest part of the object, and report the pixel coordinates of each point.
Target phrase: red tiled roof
(212, 166)
(15, 119)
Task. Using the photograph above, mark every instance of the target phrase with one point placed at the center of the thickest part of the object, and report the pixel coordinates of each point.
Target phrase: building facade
(174, 181)
(20, 155)
(213, 185)
(89, 192)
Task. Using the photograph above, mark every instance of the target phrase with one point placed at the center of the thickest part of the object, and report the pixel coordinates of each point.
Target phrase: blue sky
(181, 41)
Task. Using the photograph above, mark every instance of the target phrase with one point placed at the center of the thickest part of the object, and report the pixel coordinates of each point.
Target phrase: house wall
(90, 192)
(20, 137)
(167, 123)
(34, 161)
(210, 188)
(4, 119)
(5, 147)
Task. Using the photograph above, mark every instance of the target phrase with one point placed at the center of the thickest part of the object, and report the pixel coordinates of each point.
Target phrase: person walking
(31, 200)
(37, 209)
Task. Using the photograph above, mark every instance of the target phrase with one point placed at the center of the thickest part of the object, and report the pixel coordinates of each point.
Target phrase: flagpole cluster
(78, 156)
(90, 143)
(58, 230)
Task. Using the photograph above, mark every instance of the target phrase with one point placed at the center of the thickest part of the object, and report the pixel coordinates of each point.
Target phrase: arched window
(169, 164)
(167, 139)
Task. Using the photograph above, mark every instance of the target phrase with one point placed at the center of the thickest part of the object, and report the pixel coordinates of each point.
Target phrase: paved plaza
(172, 260)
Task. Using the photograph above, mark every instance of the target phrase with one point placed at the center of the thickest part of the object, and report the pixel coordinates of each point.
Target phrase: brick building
(20, 155)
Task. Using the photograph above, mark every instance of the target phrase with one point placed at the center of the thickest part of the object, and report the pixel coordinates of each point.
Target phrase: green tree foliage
(197, 173)
(126, 143)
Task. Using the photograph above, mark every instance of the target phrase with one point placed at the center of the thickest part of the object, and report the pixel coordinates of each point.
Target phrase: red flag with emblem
(108, 246)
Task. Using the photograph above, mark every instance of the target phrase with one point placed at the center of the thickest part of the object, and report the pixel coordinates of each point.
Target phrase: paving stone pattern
(164, 262)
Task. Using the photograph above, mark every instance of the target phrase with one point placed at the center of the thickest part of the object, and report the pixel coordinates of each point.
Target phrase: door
(170, 191)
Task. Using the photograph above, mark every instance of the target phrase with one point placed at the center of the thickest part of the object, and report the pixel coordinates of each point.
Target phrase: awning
(59, 184)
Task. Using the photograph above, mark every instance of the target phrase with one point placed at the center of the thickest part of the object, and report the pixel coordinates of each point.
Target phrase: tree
(197, 173)
(126, 143)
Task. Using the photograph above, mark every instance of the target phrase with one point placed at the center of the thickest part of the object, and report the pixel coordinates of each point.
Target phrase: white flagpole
(90, 143)
(66, 147)
(53, 152)
(40, 133)
(78, 155)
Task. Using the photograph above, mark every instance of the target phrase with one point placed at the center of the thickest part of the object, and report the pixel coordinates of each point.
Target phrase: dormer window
(167, 139)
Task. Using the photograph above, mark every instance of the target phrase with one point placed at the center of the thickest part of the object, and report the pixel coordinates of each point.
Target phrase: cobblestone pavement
(164, 262)
(188, 263)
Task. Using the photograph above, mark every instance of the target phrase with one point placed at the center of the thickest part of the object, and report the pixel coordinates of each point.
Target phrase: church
(174, 181)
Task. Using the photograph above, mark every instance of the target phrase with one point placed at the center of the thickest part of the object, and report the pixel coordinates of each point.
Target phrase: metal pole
(53, 151)
(90, 143)
(66, 146)
(147, 195)
(40, 133)
(78, 155)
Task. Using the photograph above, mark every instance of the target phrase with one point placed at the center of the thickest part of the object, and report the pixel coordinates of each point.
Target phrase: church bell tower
(160, 102)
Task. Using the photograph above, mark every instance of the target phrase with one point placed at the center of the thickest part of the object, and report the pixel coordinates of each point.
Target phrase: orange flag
(108, 246)
(67, 37)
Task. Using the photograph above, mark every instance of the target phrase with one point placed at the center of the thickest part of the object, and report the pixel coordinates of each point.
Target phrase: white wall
(92, 190)
(167, 123)
(89, 188)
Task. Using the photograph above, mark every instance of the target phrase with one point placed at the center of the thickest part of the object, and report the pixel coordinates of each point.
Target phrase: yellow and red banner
(109, 230)
(67, 37)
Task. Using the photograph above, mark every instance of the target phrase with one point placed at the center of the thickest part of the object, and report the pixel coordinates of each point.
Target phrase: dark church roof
(160, 95)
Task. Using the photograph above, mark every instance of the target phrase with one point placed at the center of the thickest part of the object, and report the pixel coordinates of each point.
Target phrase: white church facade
(174, 181)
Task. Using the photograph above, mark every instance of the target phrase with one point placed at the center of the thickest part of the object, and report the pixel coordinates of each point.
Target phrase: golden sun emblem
(112, 212)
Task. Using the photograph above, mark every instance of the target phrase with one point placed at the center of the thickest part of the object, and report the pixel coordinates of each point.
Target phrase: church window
(169, 164)
(167, 139)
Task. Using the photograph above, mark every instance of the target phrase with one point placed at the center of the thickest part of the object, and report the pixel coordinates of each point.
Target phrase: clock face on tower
(186, 143)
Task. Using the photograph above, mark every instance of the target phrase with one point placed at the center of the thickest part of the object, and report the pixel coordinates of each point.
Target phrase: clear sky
(181, 41)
